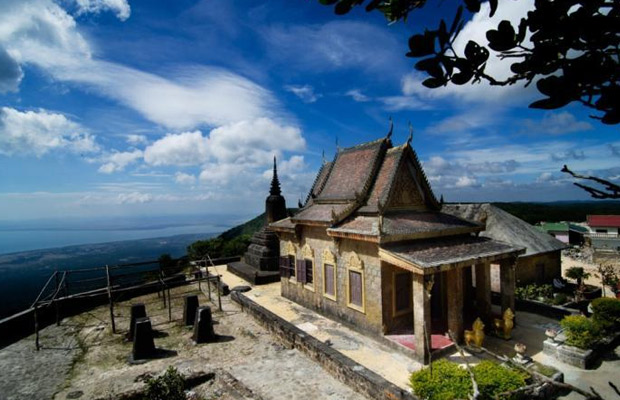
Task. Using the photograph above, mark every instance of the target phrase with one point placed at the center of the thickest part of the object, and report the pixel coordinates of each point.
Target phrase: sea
(30, 251)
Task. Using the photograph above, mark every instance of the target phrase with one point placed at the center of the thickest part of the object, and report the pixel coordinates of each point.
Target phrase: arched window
(329, 275)
(355, 283)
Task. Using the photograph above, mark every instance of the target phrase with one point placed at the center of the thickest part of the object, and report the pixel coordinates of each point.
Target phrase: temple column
(507, 283)
(455, 303)
(483, 291)
(421, 318)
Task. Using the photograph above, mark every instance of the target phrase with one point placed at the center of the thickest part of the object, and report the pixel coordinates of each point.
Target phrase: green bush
(169, 386)
(606, 312)
(580, 331)
(494, 379)
(533, 292)
(560, 299)
(449, 381)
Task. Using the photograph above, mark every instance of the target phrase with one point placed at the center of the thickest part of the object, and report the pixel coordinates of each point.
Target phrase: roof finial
(323, 157)
(410, 134)
(275, 182)
(299, 203)
(389, 134)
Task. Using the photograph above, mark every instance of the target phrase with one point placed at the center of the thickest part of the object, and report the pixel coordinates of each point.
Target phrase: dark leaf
(493, 4)
(433, 83)
(462, 77)
(503, 38)
(522, 30)
(551, 103)
(442, 34)
(611, 117)
(472, 5)
(457, 18)
(550, 85)
(328, 2)
(475, 53)
(343, 7)
(422, 45)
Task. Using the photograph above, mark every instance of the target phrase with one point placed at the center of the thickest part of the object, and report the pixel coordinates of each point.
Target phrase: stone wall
(340, 366)
(312, 296)
(539, 268)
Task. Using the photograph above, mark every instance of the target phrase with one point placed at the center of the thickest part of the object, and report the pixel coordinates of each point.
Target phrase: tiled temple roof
(319, 181)
(403, 225)
(385, 177)
(352, 172)
(434, 255)
(505, 227)
(322, 214)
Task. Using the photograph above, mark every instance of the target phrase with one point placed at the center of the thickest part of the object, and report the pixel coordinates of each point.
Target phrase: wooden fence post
(107, 273)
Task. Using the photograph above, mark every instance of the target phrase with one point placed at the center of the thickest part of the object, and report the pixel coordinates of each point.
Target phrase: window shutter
(309, 271)
(329, 279)
(355, 290)
(284, 267)
(301, 271)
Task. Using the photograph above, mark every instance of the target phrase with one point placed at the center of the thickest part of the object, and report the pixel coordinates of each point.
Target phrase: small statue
(476, 335)
(503, 327)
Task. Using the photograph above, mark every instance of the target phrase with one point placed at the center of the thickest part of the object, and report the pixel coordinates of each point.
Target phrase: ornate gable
(407, 190)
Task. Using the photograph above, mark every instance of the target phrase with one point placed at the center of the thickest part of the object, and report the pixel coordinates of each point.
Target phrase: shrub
(580, 331)
(606, 312)
(560, 299)
(169, 386)
(449, 381)
(494, 379)
(545, 291)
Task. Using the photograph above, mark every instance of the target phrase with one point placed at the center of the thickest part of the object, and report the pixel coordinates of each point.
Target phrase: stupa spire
(275, 182)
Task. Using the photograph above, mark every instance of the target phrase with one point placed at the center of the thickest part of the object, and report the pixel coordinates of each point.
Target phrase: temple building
(372, 248)
(260, 263)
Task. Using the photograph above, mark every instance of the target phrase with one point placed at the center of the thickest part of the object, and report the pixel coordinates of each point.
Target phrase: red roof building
(607, 221)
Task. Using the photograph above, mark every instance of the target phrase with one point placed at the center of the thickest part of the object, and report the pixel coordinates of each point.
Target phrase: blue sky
(121, 107)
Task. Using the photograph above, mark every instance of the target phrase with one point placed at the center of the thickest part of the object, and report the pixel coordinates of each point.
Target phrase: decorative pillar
(507, 283)
(483, 291)
(455, 303)
(422, 316)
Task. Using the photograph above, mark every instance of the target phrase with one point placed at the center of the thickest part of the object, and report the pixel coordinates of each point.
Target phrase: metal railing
(115, 281)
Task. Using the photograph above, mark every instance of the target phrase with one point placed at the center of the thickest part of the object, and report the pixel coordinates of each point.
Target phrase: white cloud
(466, 181)
(117, 161)
(304, 92)
(136, 140)
(357, 95)
(254, 142)
(187, 148)
(400, 103)
(221, 174)
(41, 33)
(558, 123)
(184, 179)
(39, 132)
(335, 45)
(120, 7)
(134, 198)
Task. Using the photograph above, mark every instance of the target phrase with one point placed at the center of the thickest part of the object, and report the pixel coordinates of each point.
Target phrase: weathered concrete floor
(379, 358)
(27, 374)
(246, 350)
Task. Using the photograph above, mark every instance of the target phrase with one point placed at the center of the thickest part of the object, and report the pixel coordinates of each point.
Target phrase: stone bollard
(203, 326)
(137, 311)
(189, 309)
(143, 344)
